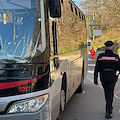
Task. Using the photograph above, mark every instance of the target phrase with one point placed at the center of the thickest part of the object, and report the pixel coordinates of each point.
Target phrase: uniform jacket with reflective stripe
(107, 64)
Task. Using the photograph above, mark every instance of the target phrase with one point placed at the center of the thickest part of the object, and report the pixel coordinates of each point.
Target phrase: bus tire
(81, 86)
(62, 104)
(62, 101)
(63, 92)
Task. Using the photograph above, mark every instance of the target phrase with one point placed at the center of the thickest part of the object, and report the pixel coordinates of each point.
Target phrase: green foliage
(106, 12)
(112, 35)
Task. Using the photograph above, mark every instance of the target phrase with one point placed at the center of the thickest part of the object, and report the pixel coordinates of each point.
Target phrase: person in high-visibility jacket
(92, 51)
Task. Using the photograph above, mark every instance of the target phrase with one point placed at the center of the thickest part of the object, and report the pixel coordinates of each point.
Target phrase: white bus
(68, 55)
(43, 57)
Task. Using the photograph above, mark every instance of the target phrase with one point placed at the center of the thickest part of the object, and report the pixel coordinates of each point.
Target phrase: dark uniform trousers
(109, 94)
(107, 64)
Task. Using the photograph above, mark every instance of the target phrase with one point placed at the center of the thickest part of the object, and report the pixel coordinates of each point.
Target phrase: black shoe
(108, 116)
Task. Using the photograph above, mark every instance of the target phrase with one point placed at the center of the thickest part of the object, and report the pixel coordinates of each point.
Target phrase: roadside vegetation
(113, 35)
(106, 12)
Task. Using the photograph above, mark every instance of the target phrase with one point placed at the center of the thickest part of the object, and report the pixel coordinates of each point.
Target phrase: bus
(43, 57)
(68, 55)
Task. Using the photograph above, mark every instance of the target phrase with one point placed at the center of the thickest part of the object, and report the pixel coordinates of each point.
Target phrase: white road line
(117, 92)
(115, 95)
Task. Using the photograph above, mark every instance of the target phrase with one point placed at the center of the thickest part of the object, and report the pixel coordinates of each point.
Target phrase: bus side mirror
(55, 8)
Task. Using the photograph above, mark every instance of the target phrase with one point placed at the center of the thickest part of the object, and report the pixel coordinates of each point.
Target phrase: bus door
(55, 71)
(55, 12)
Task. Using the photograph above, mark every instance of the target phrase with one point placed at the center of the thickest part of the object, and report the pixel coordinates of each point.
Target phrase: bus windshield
(20, 28)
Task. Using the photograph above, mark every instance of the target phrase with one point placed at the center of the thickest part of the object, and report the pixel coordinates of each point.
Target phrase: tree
(106, 11)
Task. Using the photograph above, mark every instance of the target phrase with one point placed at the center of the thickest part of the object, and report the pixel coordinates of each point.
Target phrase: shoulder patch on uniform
(108, 58)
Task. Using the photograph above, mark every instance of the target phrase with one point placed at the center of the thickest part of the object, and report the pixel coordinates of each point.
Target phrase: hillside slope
(113, 35)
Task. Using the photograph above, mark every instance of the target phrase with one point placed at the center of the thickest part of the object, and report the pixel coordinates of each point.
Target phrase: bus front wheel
(62, 101)
(63, 92)
(81, 86)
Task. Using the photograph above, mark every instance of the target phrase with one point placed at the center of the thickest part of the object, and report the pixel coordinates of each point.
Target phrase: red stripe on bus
(15, 84)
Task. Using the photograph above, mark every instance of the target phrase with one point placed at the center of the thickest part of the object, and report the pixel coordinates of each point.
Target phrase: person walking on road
(107, 65)
(92, 51)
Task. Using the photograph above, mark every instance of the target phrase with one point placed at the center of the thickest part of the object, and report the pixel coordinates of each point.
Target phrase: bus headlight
(31, 105)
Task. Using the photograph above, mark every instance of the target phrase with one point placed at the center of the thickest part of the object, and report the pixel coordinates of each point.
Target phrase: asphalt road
(90, 105)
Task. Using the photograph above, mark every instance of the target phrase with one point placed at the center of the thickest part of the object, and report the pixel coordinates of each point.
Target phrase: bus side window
(71, 6)
(55, 41)
(79, 15)
(76, 11)
(82, 17)
(55, 8)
